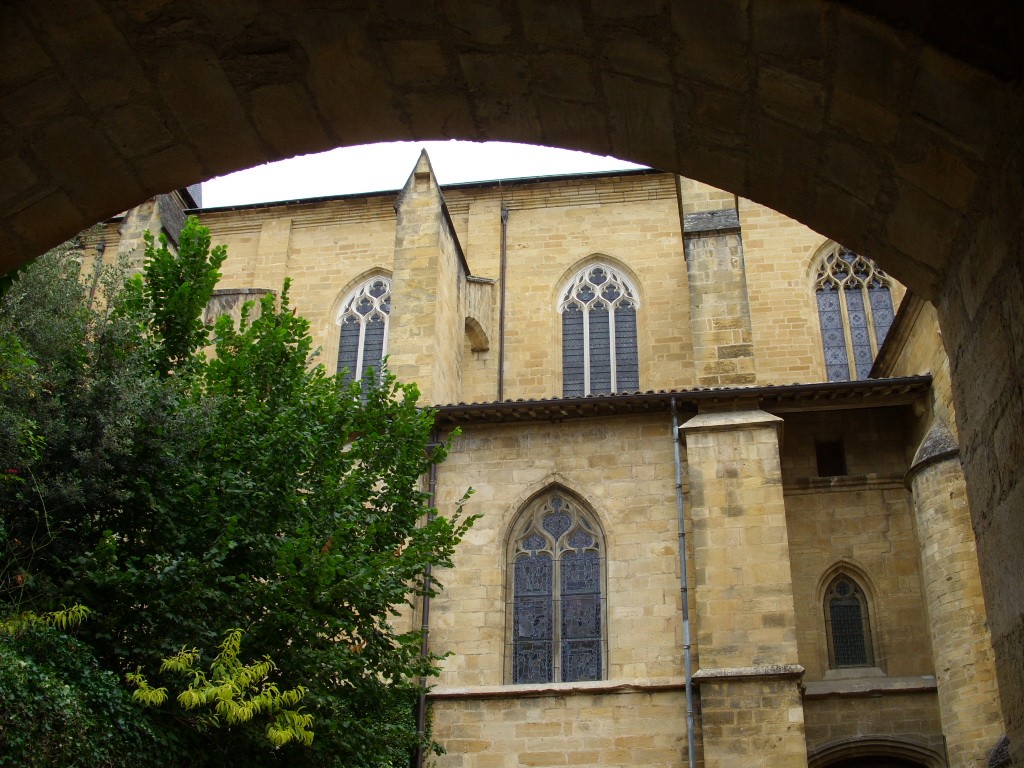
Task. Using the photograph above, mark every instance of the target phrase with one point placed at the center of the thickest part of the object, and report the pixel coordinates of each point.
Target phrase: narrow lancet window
(555, 565)
(363, 322)
(847, 625)
(599, 333)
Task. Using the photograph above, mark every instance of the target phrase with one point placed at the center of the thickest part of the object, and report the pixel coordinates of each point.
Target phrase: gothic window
(599, 350)
(846, 624)
(363, 320)
(556, 562)
(855, 310)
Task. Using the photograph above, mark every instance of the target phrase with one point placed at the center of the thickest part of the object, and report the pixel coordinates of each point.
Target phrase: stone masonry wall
(622, 468)
(610, 730)
(965, 665)
(778, 254)
(746, 625)
(863, 521)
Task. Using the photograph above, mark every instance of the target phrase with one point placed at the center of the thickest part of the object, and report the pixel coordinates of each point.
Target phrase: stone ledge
(556, 689)
(871, 686)
(745, 674)
(872, 481)
(730, 421)
(716, 222)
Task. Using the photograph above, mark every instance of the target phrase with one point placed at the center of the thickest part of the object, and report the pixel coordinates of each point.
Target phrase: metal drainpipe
(501, 310)
(684, 588)
(421, 704)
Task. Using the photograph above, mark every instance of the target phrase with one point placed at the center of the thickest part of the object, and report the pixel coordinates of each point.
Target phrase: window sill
(853, 673)
(537, 690)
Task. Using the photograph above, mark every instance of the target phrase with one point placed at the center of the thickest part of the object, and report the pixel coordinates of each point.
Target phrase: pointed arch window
(847, 625)
(557, 605)
(599, 349)
(363, 322)
(855, 311)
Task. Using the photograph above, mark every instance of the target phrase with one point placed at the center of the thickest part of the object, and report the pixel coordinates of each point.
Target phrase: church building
(723, 519)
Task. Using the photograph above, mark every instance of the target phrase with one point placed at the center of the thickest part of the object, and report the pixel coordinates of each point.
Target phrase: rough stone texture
(861, 524)
(914, 346)
(891, 127)
(964, 664)
(427, 326)
(980, 312)
(757, 723)
(723, 344)
(615, 730)
(904, 720)
(104, 104)
(759, 580)
(744, 590)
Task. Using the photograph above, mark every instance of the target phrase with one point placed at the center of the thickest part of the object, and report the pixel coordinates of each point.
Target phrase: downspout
(684, 588)
(421, 703)
(501, 308)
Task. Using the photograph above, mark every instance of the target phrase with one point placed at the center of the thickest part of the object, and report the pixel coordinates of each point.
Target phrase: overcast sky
(378, 167)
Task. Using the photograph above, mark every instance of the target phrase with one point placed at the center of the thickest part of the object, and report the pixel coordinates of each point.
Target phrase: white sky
(380, 167)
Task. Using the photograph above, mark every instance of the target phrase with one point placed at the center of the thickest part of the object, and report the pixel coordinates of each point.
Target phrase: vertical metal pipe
(501, 309)
(684, 588)
(421, 703)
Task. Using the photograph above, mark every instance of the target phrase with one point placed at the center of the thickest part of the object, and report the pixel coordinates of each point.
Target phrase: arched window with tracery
(557, 605)
(363, 321)
(847, 625)
(855, 310)
(599, 349)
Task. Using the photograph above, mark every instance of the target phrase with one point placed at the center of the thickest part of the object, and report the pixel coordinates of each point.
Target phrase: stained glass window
(847, 625)
(599, 348)
(363, 321)
(855, 311)
(555, 566)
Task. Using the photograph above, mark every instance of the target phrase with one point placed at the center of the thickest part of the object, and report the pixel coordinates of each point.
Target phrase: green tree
(181, 494)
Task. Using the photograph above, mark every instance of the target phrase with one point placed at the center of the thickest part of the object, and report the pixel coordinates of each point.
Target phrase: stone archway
(893, 128)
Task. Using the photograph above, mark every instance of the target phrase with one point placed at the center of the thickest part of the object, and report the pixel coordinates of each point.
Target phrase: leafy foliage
(58, 707)
(236, 692)
(182, 494)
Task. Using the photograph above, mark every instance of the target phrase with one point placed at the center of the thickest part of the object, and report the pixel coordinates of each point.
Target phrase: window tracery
(855, 311)
(556, 562)
(847, 625)
(599, 344)
(363, 321)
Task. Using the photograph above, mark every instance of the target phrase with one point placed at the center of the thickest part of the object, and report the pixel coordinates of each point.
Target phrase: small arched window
(555, 571)
(855, 311)
(599, 350)
(847, 626)
(363, 322)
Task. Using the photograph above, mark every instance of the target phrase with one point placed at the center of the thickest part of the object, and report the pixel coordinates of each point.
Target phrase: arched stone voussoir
(865, 124)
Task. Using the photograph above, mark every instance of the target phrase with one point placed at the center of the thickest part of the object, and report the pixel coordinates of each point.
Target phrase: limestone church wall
(726, 299)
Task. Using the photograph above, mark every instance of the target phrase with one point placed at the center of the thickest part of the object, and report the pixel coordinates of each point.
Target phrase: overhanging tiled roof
(781, 398)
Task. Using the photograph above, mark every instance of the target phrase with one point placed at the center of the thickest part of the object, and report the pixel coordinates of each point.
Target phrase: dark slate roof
(779, 398)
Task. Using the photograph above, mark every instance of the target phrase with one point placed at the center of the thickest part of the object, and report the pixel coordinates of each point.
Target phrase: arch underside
(874, 752)
(865, 127)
